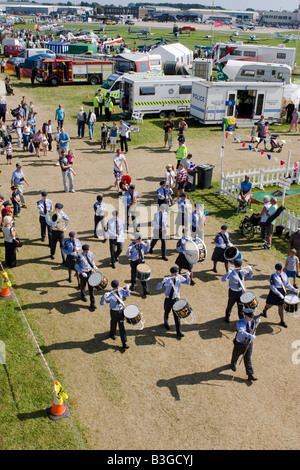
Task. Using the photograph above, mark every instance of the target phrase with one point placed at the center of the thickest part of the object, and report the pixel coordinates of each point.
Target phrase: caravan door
(259, 105)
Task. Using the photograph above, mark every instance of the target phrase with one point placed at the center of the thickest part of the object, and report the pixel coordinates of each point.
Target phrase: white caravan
(239, 71)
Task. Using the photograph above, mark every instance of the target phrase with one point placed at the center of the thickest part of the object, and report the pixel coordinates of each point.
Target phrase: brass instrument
(55, 220)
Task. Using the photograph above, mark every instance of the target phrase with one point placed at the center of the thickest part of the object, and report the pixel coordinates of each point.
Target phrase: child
(170, 142)
(6, 210)
(292, 266)
(16, 201)
(253, 136)
(8, 151)
(45, 145)
(70, 157)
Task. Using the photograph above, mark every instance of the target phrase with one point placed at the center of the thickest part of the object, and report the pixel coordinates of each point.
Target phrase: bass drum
(201, 249)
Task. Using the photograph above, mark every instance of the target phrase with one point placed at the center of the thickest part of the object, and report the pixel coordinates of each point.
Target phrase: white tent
(174, 52)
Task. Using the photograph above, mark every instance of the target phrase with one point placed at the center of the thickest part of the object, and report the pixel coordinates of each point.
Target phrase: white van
(37, 51)
(160, 95)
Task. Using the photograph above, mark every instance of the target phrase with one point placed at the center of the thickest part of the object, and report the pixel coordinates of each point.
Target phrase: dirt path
(162, 393)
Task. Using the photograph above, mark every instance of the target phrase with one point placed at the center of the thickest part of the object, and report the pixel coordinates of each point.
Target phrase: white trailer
(239, 71)
(254, 53)
(211, 102)
(160, 95)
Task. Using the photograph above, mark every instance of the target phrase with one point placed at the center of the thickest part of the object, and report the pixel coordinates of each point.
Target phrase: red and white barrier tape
(31, 332)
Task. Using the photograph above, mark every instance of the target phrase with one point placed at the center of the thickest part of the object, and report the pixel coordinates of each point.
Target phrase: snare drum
(98, 280)
(249, 300)
(183, 310)
(134, 316)
(291, 304)
(143, 272)
(231, 253)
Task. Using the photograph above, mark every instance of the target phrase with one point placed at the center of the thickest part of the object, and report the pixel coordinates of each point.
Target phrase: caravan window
(185, 89)
(222, 51)
(235, 52)
(143, 66)
(280, 75)
(248, 73)
(155, 62)
(260, 72)
(147, 90)
(249, 54)
(281, 55)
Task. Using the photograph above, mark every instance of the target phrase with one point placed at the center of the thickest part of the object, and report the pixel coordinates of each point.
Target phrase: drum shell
(143, 275)
(183, 312)
(253, 303)
(232, 253)
(290, 307)
(102, 282)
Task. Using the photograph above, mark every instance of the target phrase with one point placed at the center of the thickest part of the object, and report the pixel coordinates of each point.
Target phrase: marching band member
(172, 286)
(279, 282)
(136, 253)
(184, 207)
(116, 303)
(45, 205)
(160, 223)
(99, 216)
(130, 198)
(181, 260)
(163, 194)
(243, 342)
(236, 278)
(85, 266)
(115, 231)
(197, 221)
(58, 232)
(72, 248)
(221, 243)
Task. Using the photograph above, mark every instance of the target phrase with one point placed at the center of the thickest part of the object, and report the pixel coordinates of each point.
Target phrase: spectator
(291, 267)
(270, 227)
(91, 119)
(123, 130)
(9, 233)
(60, 115)
(37, 140)
(295, 120)
(295, 242)
(67, 172)
(169, 124)
(245, 194)
(113, 137)
(63, 140)
(81, 120)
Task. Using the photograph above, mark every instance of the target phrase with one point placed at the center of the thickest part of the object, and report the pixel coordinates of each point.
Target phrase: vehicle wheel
(248, 230)
(94, 80)
(162, 114)
(54, 81)
(172, 114)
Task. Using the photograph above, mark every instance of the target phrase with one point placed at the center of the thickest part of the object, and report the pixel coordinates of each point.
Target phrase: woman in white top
(18, 128)
(123, 129)
(9, 233)
(26, 136)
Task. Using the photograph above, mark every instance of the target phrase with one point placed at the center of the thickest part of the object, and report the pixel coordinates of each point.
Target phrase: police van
(112, 84)
(159, 95)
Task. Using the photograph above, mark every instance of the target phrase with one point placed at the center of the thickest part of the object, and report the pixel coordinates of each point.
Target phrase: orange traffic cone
(59, 409)
(88, 95)
(114, 110)
(5, 287)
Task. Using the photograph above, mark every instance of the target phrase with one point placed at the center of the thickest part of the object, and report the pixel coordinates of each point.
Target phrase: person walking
(67, 172)
(60, 115)
(81, 121)
(91, 120)
(18, 179)
(123, 129)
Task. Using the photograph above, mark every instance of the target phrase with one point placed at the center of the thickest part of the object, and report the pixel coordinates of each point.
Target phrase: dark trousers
(100, 109)
(97, 219)
(44, 227)
(107, 114)
(116, 249)
(58, 236)
(83, 282)
(96, 111)
(168, 304)
(159, 235)
(17, 208)
(239, 350)
(10, 255)
(234, 297)
(49, 137)
(263, 231)
(123, 140)
(81, 127)
(117, 319)
(133, 265)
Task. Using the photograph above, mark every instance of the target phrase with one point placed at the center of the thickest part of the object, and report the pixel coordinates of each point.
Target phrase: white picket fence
(230, 185)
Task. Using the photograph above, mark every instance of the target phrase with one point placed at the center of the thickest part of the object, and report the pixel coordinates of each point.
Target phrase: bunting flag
(282, 162)
(244, 143)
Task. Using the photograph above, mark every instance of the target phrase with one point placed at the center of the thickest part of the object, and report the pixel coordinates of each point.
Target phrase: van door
(259, 105)
(230, 109)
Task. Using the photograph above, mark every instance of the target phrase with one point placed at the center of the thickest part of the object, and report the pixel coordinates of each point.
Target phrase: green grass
(26, 390)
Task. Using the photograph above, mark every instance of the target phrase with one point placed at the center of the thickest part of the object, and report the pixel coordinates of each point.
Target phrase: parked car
(130, 22)
(12, 51)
